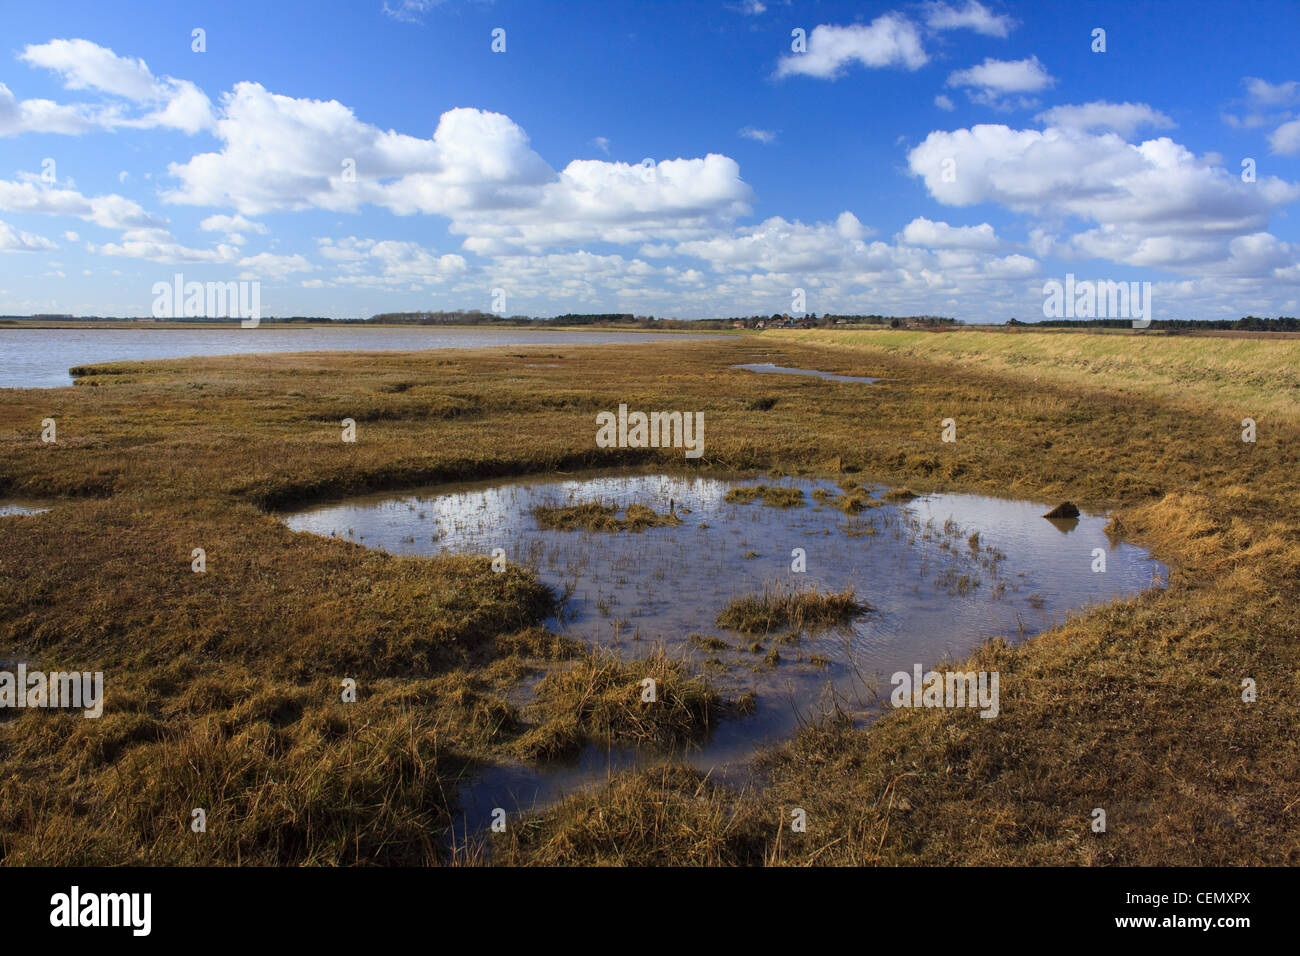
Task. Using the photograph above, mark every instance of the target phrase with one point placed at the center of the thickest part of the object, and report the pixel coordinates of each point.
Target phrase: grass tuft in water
(899, 495)
(853, 501)
(603, 698)
(594, 516)
(774, 496)
(792, 610)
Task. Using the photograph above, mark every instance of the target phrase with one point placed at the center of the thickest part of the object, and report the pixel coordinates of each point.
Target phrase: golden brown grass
(776, 610)
(605, 699)
(223, 689)
(853, 501)
(1252, 377)
(774, 496)
(594, 516)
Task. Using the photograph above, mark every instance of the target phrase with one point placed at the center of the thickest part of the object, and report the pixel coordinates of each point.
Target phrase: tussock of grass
(538, 642)
(284, 775)
(553, 739)
(774, 496)
(601, 698)
(899, 495)
(790, 610)
(709, 642)
(669, 816)
(852, 502)
(594, 516)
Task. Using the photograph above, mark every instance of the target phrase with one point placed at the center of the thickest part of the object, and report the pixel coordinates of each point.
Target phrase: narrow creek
(943, 573)
(11, 507)
(769, 368)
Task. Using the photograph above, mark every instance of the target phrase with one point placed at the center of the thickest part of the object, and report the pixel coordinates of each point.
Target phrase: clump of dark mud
(1064, 510)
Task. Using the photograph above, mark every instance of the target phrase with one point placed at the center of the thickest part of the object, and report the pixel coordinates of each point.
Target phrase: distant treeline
(478, 317)
(831, 319)
(1249, 323)
(627, 319)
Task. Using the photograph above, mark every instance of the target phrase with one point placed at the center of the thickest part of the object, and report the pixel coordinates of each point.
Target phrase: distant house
(761, 324)
(738, 324)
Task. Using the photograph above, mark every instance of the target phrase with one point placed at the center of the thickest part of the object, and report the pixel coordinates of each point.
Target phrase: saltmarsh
(945, 571)
(222, 688)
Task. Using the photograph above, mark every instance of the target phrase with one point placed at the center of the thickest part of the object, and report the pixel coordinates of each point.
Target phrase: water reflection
(40, 358)
(943, 572)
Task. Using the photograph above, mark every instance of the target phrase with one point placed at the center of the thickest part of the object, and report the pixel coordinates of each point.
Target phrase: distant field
(1249, 376)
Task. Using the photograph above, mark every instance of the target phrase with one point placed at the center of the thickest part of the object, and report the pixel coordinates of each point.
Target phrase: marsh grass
(594, 516)
(899, 495)
(1227, 373)
(774, 496)
(667, 816)
(222, 689)
(778, 610)
(709, 642)
(603, 698)
(853, 501)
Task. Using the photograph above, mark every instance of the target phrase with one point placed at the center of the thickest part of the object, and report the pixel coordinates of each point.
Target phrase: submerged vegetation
(223, 687)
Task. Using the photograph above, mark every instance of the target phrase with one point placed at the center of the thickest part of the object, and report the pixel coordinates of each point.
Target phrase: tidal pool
(943, 573)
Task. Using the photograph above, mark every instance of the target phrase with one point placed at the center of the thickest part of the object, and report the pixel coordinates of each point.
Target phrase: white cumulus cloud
(110, 211)
(478, 170)
(1285, 140)
(1003, 84)
(1153, 204)
(1123, 118)
(940, 235)
(14, 240)
(889, 40)
(83, 65)
(972, 16)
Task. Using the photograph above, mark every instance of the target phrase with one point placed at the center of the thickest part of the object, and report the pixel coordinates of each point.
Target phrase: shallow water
(786, 370)
(937, 593)
(22, 506)
(40, 358)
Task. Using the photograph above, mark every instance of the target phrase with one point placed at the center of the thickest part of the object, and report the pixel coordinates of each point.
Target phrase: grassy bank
(1252, 377)
(223, 688)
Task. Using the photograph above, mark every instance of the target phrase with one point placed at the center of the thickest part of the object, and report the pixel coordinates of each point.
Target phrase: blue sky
(929, 157)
